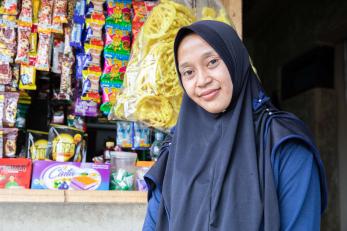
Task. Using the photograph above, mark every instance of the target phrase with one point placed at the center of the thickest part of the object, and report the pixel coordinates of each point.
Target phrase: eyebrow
(204, 55)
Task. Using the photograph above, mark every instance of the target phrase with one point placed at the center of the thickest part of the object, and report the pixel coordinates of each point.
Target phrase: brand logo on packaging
(67, 177)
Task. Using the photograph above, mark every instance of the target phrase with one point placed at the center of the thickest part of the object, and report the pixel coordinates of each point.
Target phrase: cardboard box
(15, 173)
(70, 176)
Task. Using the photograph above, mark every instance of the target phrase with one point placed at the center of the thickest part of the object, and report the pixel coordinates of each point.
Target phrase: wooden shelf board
(58, 196)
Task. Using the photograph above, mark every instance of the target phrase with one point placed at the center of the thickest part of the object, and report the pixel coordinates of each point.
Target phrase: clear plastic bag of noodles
(151, 90)
(210, 10)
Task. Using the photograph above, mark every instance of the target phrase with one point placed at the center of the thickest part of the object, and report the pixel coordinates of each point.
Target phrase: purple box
(70, 176)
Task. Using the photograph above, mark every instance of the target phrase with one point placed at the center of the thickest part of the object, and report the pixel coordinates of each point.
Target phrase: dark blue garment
(210, 154)
(297, 182)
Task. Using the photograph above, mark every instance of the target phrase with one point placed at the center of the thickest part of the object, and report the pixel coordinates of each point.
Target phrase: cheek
(189, 87)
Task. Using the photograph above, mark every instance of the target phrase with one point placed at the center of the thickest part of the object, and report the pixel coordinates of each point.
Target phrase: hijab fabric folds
(215, 173)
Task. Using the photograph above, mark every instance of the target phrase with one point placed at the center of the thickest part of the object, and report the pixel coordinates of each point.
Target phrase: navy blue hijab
(215, 172)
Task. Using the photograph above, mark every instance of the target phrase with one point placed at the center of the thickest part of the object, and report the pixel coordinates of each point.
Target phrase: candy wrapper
(120, 40)
(122, 180)
(9, 138)
(124, 25)
(9, 7)
(23, 45)
(109, 96)
(45, 16)
(142, 136)
(115, 7)
(94, 33)
(5, 73)
(65, 144)
(80, 60)
(124, 134)
(93, 55)
(58, 51)
(90, 88)
(44, 52)
(10, 108)
(36, 144)
(115, 62)
(76, 35)
(60, 11)
(27, 78)
(139, 19)
(79, 12)
(86, 108)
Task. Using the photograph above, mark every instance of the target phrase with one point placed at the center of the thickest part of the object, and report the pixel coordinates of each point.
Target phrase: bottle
(155, 148)
(109, 146)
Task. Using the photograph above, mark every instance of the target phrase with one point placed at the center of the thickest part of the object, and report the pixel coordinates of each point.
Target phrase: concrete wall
(276, 32)
(71, 217)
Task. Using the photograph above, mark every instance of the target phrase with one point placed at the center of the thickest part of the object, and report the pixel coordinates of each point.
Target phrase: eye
(213, 62)
(187, 74)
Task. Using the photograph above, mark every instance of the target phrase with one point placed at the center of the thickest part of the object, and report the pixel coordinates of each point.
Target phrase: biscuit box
(15, 173)
(70, 176)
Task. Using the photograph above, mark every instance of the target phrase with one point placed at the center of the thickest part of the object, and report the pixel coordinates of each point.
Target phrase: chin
(214, 110)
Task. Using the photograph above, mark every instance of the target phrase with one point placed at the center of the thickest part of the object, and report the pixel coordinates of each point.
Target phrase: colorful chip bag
(10, 108)
(27, 77)
(37, 142)
(65, 144)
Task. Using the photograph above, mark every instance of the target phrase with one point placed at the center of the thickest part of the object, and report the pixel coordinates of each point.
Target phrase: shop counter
(49, 210)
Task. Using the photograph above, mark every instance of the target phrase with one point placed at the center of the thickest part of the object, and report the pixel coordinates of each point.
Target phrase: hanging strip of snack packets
(68, 60)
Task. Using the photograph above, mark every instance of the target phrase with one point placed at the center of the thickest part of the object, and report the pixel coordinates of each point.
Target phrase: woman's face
(205, 77)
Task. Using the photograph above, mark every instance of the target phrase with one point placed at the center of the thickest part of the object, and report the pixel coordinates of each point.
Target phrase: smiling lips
(209, 94)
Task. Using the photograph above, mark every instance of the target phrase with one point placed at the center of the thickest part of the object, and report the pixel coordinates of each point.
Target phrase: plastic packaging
(36, 144)
(27, 78)
(60, 11)
(79, 11)
(65, 144)
(58, 51)
(22, 112)
(9, 141)
(124, 134)
(2, 105)
(142, 136)
(23, 45)
(44, 52)
(10, 108)
(26, 14)
(45, 16)
(86, 108)
(9, 7)
(5, 73)
(123, 170)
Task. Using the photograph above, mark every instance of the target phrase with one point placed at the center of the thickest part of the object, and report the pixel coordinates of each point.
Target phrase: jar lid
(123, 154)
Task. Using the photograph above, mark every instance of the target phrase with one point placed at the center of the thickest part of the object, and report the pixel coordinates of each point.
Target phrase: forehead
(193, 45)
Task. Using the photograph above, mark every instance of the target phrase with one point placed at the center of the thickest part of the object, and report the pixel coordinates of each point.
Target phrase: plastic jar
(123, 170)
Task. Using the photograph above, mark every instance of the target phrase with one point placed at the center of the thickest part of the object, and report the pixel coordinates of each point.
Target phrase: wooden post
(234, 8)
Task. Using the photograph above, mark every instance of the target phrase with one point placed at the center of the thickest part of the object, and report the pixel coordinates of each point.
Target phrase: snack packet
(26, 14)
(9, 141)
(58, 51)
(10, 108)
(36, 144)
(2, 105)
(5, 73)
(27, 78)
(65, 80)
(142, 136)
(45, 16)
(124, 134)
(22, 112)
(23, 45)
(9, 7)
(64, 144)
(13, 85)
(60, 11)
(44, 52)
(86, 108)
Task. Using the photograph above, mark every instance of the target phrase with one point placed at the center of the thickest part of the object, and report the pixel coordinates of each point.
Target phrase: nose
(203, 79)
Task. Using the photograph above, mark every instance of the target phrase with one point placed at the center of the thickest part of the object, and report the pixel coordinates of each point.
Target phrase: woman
(234, 162)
